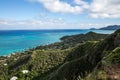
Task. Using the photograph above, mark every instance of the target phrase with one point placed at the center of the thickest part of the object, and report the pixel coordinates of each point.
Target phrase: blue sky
(58, 14)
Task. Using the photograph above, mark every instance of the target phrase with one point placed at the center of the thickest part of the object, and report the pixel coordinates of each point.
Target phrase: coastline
(58, 51)
(79, 31)
(35, 47)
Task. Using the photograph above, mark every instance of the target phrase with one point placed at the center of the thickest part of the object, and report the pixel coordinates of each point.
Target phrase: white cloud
(32, 21)
(31, 24)
(6, 22)
(47, 24)
(63, 7)
(82, 3)
(105, 9)
(95, 9)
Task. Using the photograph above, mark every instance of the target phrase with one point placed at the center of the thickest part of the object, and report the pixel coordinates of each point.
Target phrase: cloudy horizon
(58, 14)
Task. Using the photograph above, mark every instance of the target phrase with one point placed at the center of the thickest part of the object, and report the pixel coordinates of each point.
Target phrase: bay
(20, 40)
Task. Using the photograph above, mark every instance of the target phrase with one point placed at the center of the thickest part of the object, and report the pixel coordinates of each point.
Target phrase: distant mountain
(92, 28)
(111, 27)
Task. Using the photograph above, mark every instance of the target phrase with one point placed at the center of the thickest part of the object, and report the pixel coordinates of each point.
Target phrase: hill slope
(73, 40)
(79, 67)
(90, 60)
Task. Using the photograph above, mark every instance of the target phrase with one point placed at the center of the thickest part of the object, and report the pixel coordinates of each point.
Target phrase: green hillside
(78, 57)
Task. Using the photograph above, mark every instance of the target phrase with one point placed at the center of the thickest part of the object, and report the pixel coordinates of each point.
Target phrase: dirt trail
(113, 72)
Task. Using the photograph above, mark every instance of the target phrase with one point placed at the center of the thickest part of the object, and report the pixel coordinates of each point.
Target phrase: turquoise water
(20, 40)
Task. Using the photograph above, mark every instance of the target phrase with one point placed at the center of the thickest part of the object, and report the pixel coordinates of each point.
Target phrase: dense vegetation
(71, 41)
(88, 56)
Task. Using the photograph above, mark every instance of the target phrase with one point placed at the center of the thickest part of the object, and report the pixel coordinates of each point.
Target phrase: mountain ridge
(89, 60)
(111, 27)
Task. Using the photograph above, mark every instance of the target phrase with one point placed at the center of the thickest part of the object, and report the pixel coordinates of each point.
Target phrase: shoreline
(27, 49)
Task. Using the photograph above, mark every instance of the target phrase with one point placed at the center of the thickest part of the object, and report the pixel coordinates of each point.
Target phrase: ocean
(20, 40)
